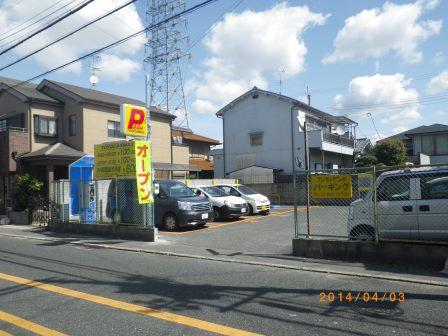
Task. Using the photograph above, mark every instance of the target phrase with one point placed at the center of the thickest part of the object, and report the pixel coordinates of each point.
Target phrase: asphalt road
(79, 291)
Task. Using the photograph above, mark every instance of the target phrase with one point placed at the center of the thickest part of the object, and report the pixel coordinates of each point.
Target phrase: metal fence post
(296, 222)
(63, 204)
(117, 208)
(375, 206)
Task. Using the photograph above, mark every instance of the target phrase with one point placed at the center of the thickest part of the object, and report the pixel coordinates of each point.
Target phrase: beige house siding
(94, 125)
(161, 139)
(73, 108)
(38, 141)
(180, 154)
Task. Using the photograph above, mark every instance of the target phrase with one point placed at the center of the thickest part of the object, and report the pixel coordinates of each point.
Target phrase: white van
(257, 202)
(224, 205)
(412, 204)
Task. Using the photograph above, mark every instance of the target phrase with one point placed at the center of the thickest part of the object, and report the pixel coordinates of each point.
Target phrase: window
(435, 144)
(45, 126)
(256, 139)
(394, 189)
(113, 129)
(72, 125)
(435, 186)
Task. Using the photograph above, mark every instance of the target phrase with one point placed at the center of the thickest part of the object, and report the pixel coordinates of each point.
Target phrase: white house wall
(264, 114)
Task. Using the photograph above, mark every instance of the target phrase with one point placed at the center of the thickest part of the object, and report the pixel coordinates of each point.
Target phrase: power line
(374, 126)
(51, 24)
(66, 35)
(184, 12)
(205, 32)
(11, 31)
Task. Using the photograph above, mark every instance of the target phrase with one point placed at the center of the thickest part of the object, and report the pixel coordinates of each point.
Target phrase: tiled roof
(104, 97)
(193, 137)
(27, 89)
(56, 150)
(311, 110)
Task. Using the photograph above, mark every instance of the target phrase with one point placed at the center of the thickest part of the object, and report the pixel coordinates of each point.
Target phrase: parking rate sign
(133, 120)
(114, 160)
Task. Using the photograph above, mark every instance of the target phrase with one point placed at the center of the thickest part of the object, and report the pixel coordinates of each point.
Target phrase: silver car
(412, 204)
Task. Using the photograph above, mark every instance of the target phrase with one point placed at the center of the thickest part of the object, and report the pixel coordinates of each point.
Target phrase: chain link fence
(99, 202)
(387, 203)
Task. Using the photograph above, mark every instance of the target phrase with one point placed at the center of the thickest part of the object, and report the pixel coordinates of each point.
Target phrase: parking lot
(268, 234)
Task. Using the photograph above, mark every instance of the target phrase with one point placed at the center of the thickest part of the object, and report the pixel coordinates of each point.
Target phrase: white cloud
(438, 83)
(378, 95)
(376, 32)
(438, 58)
(246, 46)
(117, 69)
(108, 30)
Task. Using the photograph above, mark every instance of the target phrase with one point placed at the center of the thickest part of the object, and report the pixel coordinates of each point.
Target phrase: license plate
(243, 210)
(264, 207)
(204, 216)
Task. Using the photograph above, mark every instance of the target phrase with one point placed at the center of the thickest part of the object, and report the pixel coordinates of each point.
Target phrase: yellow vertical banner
(143, 171)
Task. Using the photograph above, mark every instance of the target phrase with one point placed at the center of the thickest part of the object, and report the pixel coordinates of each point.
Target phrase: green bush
(366, 161)
(390, 152)
(27, 190)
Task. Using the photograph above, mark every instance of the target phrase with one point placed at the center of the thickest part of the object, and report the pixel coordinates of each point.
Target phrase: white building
(260, 128)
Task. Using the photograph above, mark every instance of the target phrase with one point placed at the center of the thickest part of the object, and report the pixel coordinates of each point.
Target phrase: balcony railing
(11, 128)
(338, 139)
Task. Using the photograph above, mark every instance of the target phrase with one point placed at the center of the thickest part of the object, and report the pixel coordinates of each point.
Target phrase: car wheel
(216, 214)
(363, 233)
(170, 222)
(251, 210)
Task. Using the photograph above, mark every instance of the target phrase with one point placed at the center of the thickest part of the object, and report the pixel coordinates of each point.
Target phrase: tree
(27, 190)
(390, 152)
(366, 160)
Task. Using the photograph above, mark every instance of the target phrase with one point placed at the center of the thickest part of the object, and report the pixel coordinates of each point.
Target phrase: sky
(382, 64)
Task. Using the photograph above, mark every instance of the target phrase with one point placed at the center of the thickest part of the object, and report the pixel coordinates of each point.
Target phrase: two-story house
(260, 128)
(425, 144)
(199, 148)
(45, 127)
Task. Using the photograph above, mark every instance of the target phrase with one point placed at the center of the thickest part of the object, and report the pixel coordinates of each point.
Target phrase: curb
(236, 261)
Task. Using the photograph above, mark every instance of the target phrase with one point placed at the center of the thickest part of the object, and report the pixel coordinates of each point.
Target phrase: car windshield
(177, 190)
(214, 192)
(245, 190)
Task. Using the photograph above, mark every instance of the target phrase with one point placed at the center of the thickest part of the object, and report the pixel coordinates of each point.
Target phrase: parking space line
(4, 333)
(27, 325)
(130, 307)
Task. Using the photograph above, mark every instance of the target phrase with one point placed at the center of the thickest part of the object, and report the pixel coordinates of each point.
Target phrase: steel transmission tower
(165, 49)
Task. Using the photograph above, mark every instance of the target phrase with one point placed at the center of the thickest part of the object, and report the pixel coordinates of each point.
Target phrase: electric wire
(51, 24)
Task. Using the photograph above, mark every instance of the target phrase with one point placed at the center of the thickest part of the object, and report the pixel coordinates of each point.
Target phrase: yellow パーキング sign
(331, 186)
(114, 160)
(143, 172)
(133, 120)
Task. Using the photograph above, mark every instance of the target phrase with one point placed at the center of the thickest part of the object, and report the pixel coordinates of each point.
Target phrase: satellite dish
(340, 130)
(94, 79)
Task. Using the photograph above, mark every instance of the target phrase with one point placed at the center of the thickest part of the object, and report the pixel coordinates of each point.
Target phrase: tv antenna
(94, 67)
(280, 79)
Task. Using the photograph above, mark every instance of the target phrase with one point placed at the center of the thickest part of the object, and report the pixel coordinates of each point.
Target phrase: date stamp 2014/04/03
(340, 296)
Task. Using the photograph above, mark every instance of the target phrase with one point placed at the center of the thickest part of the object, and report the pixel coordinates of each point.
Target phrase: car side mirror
(198, 192)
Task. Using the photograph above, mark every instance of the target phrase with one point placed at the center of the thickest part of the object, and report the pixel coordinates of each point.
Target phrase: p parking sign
(133, 120)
